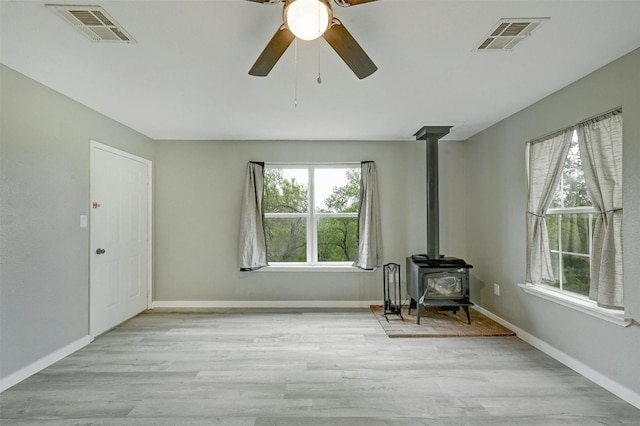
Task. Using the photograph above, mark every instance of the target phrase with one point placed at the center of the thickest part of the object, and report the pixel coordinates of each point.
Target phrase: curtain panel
(600, 142)
(546, 161)
(369, 249)
(252, 248)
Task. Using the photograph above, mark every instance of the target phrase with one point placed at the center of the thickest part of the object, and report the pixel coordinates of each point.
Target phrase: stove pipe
(432, 134)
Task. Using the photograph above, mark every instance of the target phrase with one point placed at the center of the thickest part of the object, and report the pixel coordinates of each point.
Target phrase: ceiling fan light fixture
(307, 19)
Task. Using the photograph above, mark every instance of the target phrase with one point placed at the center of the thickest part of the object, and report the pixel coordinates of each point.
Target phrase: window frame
(312, 219)
(557, 295)
(557, 214)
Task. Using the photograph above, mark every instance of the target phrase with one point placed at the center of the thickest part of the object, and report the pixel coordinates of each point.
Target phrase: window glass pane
(286, 191)
(576, 274)
(552, 230)
(575, 233)
(555, 265)
(337, 239)
(337, 190)
(286, 239)
(572, 189)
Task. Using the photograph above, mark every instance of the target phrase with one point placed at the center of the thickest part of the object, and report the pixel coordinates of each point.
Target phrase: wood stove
(434, 280)
(441, 283)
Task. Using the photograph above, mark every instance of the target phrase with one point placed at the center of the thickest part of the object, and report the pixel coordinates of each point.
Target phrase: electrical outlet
(496, 289)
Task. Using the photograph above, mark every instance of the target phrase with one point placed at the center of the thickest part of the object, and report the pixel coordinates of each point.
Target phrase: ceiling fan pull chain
(295, 65)
(319, 80)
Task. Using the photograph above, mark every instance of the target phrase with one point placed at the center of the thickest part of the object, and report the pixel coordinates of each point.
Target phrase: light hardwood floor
(304, 367)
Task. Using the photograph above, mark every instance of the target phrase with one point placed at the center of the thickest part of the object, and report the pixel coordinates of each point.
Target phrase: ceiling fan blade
(272, 52)
(349, 50)
(346, 3)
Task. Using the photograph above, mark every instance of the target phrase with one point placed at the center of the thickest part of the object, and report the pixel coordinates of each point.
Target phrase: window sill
(578, 304)
(307, 268)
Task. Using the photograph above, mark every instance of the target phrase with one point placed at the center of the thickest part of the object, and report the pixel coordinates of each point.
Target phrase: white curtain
(546, 161)
(369, 250)
(600, 142)
(252, 250)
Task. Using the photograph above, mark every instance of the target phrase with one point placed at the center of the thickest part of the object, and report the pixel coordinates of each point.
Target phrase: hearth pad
(437, 323)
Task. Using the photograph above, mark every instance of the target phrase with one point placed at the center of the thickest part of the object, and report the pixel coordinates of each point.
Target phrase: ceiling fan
(308, 20)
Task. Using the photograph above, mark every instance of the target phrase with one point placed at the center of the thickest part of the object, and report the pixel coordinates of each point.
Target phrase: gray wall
(44, 253)
(497, 191)
(197, 205)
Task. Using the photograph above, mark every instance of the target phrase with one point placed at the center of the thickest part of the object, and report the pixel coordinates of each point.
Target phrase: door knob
(100, 251)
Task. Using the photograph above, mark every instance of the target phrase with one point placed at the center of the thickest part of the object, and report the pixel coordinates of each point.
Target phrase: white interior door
(120, 237)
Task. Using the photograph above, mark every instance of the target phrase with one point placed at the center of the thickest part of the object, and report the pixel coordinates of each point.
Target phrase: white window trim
(281, 267)
(581, 304)
(570, 210)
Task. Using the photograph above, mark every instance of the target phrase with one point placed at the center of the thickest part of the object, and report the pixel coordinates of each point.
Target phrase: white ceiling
(186, 77)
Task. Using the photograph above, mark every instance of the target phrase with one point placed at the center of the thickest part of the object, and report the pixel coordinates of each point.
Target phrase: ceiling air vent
(507, 33)
(94, 22)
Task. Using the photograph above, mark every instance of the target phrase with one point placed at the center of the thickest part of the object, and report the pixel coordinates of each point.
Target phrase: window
(311, 214)
(570, 221)
(574, 212)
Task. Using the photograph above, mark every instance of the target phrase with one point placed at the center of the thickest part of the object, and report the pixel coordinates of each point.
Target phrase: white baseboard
(226, 304)
(42, 363)
(615, 388)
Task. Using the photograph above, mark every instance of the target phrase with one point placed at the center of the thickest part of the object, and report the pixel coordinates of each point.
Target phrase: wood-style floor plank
(303, 367)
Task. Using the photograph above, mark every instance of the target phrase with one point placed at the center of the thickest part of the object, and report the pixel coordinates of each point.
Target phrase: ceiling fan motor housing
(307, 19)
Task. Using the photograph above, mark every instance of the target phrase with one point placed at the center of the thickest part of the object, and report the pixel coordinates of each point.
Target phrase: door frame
(93, 146)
